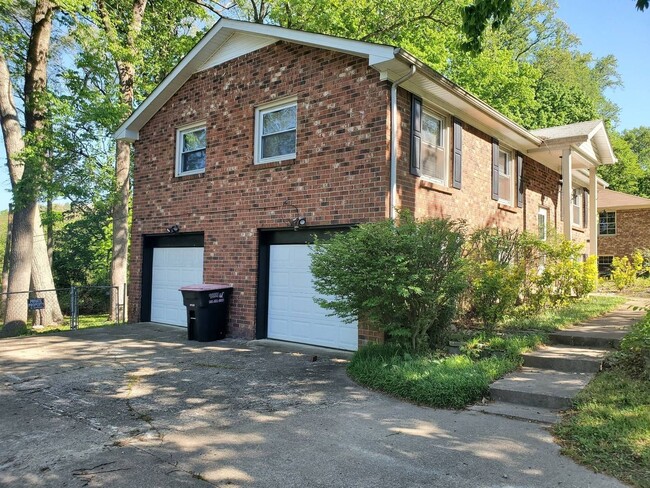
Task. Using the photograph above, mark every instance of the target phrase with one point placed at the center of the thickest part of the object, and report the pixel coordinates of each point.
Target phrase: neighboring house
(624, 226)
(263, 137)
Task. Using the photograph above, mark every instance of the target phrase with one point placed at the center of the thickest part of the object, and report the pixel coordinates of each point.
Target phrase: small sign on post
(36, 303)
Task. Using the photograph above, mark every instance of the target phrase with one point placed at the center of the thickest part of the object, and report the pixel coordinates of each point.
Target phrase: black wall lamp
(173, 229)
(297, 221)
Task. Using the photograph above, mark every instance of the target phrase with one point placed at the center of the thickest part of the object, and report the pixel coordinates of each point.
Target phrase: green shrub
(494, 290)
(496, 273)
(404, 277)
(624, 271)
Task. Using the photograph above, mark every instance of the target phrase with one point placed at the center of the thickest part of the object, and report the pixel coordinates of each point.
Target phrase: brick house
(263, 137)
(623, 226)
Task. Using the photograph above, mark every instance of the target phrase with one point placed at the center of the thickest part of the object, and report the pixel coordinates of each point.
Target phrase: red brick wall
(632, 232)
(340, 174)
(473, 202)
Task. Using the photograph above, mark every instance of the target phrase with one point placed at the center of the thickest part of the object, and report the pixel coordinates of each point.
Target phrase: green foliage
(428, 379)
(82, 248)
(635, 350)
(480, 14)
(405, 277)
(608, 428)
(496, 275)
(624, 272)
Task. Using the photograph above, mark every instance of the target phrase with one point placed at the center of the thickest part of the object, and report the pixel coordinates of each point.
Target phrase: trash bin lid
(206, 287)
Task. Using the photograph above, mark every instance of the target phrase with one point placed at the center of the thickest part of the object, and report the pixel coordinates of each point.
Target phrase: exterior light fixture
(173, 229)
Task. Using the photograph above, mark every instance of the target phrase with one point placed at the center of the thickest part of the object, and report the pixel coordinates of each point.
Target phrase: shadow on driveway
(139, 405)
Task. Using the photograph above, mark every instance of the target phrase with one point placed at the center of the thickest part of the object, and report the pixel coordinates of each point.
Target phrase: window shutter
(585, 208)
(457, 174)
(416, 134)
(520, 180)
(495, 169)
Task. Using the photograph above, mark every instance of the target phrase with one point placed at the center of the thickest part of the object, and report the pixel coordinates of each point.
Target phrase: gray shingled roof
(571, 130)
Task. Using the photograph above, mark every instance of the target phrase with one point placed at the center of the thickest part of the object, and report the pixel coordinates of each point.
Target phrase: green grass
(454, 381)
(560, 318)
(85, 322)
(641, 286)
(609, 429)
(440, 380)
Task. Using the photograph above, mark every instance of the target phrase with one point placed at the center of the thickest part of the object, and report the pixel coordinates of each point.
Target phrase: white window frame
(599, 228)
(259, 113)
(510, 154)
(180, 132)
(542, 212)
(577, 195)
(444, 139)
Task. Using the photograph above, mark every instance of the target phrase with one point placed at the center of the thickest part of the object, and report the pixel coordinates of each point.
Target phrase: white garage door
(293, 314)
(173, 267)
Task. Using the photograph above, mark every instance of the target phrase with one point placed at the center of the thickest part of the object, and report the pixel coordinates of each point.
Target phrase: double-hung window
(607, 223)
(505, 176)
(542, 223)
(190, 150)
(275, 132)
(577, 201)
(434, 161)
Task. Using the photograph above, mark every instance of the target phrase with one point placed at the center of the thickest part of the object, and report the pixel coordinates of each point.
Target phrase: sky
(604, 27)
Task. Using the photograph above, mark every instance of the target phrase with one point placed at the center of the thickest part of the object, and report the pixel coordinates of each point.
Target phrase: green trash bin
(207, 311)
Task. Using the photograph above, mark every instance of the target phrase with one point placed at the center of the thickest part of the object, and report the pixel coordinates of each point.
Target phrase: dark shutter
(495, 169)
(457, 174)
(520, 180)
(416, 134)
(585, 208)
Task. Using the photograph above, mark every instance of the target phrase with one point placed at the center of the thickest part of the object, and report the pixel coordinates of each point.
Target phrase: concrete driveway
(138, 405)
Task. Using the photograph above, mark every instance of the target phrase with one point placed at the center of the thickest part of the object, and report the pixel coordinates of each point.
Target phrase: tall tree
(26, 163)
(143, 39)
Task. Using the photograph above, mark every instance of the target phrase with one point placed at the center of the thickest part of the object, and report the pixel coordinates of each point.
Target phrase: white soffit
(237, 45)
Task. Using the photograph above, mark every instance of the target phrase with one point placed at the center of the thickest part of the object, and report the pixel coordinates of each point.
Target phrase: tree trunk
(22, 246)
(5, 262)
(119, 261)
(42, 276)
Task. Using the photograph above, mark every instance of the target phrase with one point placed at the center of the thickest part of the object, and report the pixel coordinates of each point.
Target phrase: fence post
(74, 311)
(124, 303)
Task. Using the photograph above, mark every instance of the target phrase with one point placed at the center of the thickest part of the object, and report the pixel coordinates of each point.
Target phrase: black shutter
(585, 208)
(457, 174)
(495, 169)
(416, 134)
(520, 180)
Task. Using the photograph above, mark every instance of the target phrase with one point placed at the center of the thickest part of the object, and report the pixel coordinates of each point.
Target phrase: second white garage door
(173, 267)
(293, 315)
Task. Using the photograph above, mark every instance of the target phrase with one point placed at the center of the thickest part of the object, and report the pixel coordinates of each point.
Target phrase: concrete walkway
(139, 405)
(553, 375)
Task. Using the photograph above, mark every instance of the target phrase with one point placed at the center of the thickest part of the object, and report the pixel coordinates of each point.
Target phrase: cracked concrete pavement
(139, 405)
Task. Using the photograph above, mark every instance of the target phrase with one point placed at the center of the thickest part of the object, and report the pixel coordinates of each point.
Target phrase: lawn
(85, 322)
(438, 379)
(609, 427)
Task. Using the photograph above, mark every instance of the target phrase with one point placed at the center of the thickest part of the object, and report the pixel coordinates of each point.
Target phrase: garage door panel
(172, 268)
(292, 313)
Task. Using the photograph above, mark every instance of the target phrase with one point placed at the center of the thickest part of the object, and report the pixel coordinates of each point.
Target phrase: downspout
(393, 139)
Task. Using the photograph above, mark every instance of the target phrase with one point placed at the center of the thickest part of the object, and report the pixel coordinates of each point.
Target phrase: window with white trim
(433, 148)
(607, 223)
(190, 150)
(577, 198)
(275, 132)
(505, 176)
(542, 223)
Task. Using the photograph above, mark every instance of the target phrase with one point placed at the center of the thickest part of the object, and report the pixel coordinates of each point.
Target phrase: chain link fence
(75, 307)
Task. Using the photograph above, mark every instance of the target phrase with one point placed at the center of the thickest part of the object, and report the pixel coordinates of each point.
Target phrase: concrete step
(519, 412)
(540, 387)
(588, 336)
(566, 358)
